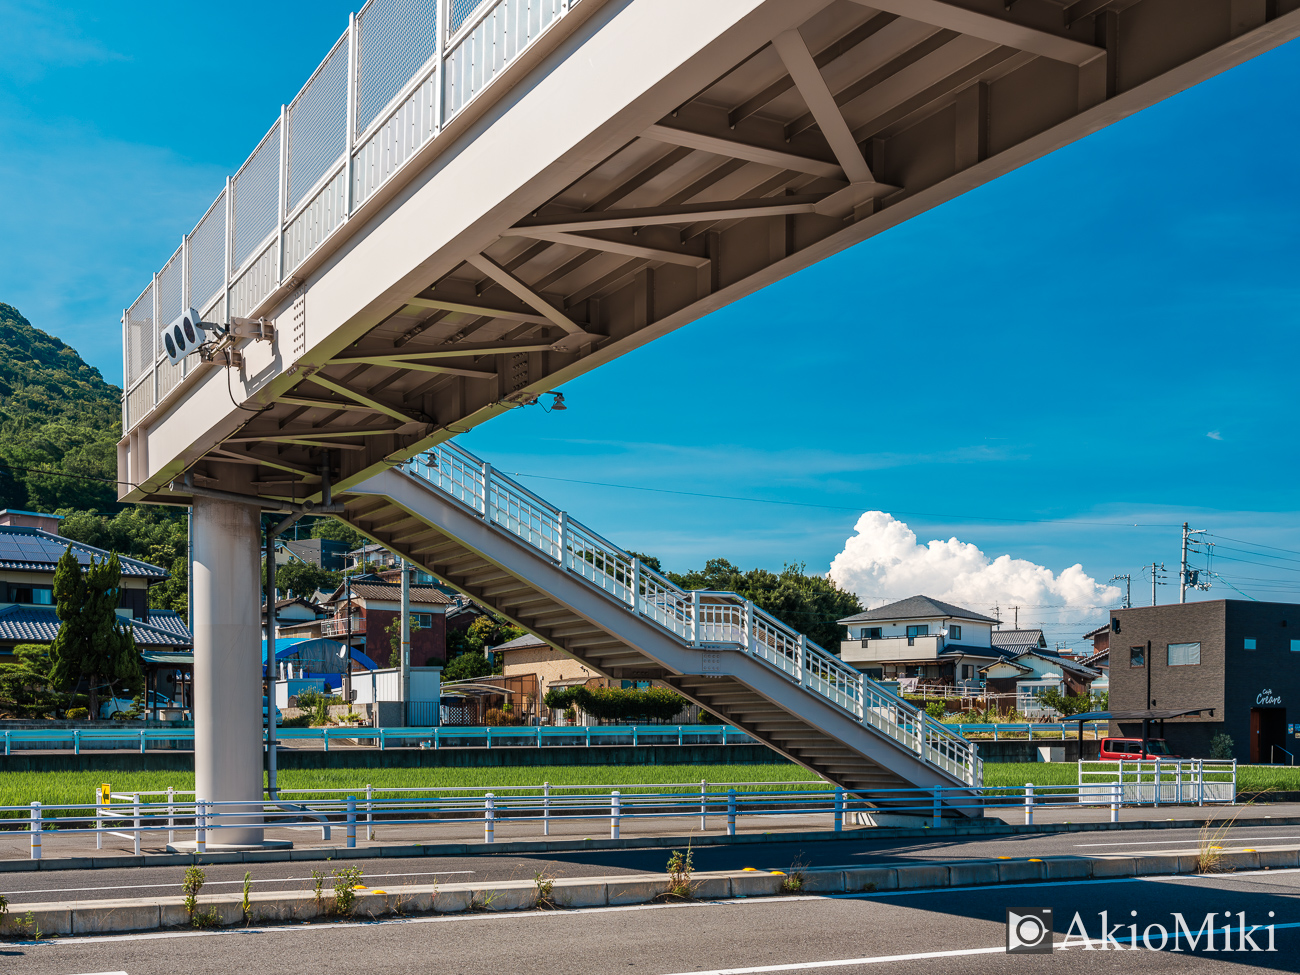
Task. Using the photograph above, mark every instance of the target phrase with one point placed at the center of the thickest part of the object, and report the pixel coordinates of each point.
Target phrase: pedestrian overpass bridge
(471, 202)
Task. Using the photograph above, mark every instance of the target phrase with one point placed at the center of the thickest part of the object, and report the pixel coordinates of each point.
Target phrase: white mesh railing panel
(257, 198)
(138, 402)
(170, 290)
(206, 264)
(461, 11)
(534, 521)
(318, 125)
(140, 337)
(316, 221)
(395, 38)
(493, 43)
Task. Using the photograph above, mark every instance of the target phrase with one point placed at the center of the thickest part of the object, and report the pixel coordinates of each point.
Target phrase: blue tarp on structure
(316, 652)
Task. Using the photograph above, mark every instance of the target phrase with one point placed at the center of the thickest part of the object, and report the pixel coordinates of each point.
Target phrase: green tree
(338, 531)
(91, 642)
(25, 682)
(806, 602)
(1066, 704)
(394, 631)
(157, 534)
(303, 578)
(466, 666)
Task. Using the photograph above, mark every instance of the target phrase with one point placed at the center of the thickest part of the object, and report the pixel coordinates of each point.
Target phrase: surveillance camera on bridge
(185, 335)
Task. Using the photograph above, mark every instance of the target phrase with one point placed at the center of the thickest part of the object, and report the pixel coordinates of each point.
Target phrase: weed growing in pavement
(318, 879)
(680, 868)
(195, 877)
(244, 902)
(346, 882)
(1209, 854)
(795, 879)
(4, 905)
(545, 891)
(483, 901)
(28, 921)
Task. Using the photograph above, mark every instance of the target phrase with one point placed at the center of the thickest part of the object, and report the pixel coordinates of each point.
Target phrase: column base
(188, 846)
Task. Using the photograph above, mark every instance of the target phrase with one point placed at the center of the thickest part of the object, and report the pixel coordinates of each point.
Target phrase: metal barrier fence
(436, 737)
(1161, 782)
(401, 71)
(134, 817)
(699, 618)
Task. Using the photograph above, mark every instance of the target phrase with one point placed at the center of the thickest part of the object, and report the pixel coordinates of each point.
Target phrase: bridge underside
(795, 131)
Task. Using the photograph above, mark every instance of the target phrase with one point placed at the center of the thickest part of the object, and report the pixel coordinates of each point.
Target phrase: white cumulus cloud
(884, 561)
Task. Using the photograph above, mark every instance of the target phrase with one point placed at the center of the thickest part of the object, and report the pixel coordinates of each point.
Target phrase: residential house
(30, 549)
(531, 658)
(1236, 662)
(1020, 680)
(362, 610)
(921, 640)
(293, 612)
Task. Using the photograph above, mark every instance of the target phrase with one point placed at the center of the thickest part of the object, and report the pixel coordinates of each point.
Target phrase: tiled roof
(26, 624)
(1019, 638)
(520, 643)
(916, 607)
(31, 549)
(373, 588)
(170, 622)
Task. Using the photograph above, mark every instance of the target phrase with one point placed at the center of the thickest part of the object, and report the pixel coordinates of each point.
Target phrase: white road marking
(214, 883)
(1235, 834)
(845, 962)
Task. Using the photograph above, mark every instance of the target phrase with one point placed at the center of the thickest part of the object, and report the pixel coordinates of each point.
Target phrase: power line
(1226, 538)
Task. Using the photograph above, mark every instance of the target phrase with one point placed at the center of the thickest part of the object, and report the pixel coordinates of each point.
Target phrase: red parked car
(1130, 750)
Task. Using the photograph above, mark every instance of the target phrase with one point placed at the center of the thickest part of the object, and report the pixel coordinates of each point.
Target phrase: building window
(922, 630)
(423, 620)
(871, 632)
(1295, 646)
(32, 595)
(1137, 656)
(423, 578)
(967, 671)
(1187, 654)
(954, 632)
(1250, 644)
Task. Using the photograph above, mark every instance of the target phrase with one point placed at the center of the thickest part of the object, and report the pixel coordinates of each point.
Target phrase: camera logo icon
(1029, 931)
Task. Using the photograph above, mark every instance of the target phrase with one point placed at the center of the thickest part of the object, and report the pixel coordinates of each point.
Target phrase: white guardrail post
(352, 822)
(489, 818)
(1116, 794)
(614, 813)
(135, 817)
(370, 813)
(839, 809)
(546, 809)
(1157, 791)
(171, 815)
(99, 821)
(936, 806)
(1029, 804)
(36, 830)
(200, 826)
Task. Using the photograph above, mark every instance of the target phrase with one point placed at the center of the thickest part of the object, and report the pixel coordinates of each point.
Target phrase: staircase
(451, 514)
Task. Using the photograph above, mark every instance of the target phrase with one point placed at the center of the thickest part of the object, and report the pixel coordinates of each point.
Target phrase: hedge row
(616, 704)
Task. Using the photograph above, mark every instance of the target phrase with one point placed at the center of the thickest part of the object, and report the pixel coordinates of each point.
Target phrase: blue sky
(1098, 341)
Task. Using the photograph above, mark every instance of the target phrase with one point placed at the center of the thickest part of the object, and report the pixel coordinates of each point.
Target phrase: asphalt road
(390, 872)
(909, 933)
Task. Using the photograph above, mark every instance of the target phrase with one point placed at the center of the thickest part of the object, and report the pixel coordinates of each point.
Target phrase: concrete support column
(228, 664)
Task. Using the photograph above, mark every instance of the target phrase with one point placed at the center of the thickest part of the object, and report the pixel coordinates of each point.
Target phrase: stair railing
(697, 617)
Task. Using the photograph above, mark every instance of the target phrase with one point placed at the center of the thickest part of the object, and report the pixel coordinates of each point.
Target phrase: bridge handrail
(697, 617)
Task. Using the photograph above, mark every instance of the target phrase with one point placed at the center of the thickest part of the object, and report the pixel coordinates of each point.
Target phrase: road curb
(226, 910)
(523, 847)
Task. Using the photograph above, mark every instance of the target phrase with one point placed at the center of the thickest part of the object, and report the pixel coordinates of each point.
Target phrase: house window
(967, 671)
(423, 620)
(33, 595)
(871, 632)
(1295, 646)
(1137, 656)
(1187, 654)
(1249, 644)
(423, 578)
(954, 632)
(922, 630)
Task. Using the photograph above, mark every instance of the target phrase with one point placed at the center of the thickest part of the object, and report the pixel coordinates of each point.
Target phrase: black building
(1239, 660)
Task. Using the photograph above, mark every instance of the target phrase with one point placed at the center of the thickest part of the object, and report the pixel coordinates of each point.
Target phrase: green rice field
(58, 788)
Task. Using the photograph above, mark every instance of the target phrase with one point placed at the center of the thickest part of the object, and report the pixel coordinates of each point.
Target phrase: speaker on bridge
(186, 334)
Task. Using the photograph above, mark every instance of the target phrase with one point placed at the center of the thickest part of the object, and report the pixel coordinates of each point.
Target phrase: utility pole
(1183, 571)
(406, 641)
(1128, 588)
(1156, 568)
(1016, 624)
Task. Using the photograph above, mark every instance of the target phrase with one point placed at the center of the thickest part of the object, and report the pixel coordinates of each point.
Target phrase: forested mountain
(56, 414)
